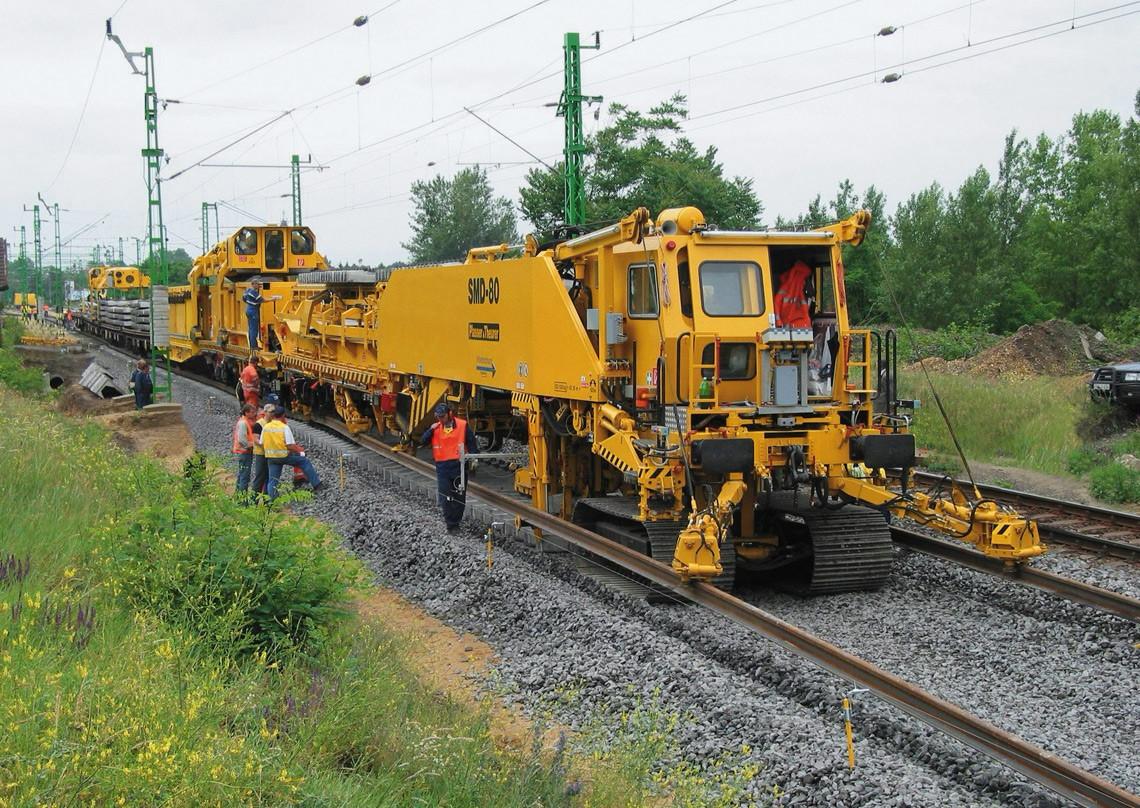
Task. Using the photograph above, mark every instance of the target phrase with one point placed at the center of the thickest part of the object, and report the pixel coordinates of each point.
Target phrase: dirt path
(1036, 482)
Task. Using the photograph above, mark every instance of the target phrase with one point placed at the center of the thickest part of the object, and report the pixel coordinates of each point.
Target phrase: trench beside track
(1103, 531)
(1040, 766)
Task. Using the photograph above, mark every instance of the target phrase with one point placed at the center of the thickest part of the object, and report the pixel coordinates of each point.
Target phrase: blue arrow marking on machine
(485, 365)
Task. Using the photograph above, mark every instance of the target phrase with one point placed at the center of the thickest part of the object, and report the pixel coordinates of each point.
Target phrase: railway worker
(446, 436)
(251, 382)
(142, 385)
(260, 468)
(281, 450)
(253, 300)
(244, 441)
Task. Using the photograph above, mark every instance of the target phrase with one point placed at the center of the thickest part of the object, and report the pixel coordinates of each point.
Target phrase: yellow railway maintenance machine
(207, 316)
(660, 402)
(102, 279)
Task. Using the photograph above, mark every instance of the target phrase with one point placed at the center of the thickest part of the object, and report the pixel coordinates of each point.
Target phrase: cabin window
(643, 301)
(731, 289)
(274, 249)
(245, 242)
(684, 283)
(737, 359)
(300, 242)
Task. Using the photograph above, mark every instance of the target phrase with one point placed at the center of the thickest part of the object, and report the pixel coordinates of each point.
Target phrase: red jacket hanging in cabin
(791, 300)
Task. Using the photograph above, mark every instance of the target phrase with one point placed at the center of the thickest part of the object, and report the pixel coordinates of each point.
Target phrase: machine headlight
(1132, 376)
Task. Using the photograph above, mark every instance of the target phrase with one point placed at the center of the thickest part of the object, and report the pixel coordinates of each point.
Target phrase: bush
(1083, 460)
(240, 578)
(12, 371)
(1129, 444)
(1100, 419)
(1124, 328)
(949, 343)
(1115, 483)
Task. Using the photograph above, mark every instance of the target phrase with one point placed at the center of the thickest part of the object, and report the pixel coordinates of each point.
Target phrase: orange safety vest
(790, 302)
(243, 427)
(250, 383)
(445, 445)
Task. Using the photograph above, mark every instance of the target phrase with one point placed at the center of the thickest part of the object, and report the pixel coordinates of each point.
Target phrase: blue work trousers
(451, 498)
(293, 459)
(245, 466)
(253, 326)
(260, 474)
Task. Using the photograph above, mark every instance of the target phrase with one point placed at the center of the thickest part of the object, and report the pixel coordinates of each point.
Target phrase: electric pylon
(206, 208)
(155, 230)
(296, 190)
(570, 108)
(37, 245)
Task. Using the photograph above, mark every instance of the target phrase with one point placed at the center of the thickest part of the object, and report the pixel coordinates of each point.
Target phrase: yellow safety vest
(273, 440)
(257, 450)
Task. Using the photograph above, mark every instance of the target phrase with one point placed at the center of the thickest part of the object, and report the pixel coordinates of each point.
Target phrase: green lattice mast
(570, 108)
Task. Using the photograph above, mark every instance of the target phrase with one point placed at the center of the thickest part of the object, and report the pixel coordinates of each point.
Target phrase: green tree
(453, 215)
(863, 265)
(178, 265)
(642, 160)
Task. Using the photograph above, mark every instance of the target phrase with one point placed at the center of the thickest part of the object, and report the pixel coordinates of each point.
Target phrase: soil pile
(158, 430)
(78, 400)
(1051, 348)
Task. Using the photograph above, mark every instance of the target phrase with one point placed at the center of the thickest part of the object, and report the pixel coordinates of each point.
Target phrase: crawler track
(1099, 530)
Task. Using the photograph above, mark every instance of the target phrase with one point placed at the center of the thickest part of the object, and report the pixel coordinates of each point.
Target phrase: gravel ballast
(1056, 674)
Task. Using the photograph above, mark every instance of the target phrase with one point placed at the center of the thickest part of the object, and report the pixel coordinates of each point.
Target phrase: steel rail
(1039, 765)
(1042, 767)
(1077, 591)
(1060, 533)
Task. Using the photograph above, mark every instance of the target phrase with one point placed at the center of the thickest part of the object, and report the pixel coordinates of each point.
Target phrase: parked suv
(1117, 383)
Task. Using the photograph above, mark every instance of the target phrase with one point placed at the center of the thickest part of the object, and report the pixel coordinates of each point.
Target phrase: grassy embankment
(1044, 424)
(160, 645)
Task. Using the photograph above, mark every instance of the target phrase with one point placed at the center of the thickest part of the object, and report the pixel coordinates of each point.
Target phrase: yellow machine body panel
(506, 324)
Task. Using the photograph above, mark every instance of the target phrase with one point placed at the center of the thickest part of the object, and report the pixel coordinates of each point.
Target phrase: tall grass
(1029, 423)
(107, 700)
(12, 371)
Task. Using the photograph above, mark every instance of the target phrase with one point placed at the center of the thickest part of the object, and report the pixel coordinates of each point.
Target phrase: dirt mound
(78, 400)
(158, 430)
(1051, 348)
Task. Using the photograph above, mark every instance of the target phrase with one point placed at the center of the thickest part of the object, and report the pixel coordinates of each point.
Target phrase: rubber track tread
(852, 550)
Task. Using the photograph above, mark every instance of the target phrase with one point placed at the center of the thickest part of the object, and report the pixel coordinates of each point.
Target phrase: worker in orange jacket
(450, 439)
(244, 442)
(251, 382)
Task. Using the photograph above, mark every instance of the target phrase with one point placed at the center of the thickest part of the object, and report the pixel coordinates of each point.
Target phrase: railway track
(1042, 767)
(1099, 530)
(1077, 591)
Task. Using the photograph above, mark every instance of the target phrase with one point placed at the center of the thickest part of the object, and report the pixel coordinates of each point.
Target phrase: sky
(788, 91)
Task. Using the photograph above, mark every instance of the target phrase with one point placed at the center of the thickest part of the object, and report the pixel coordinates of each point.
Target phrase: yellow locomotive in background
(660, 398)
